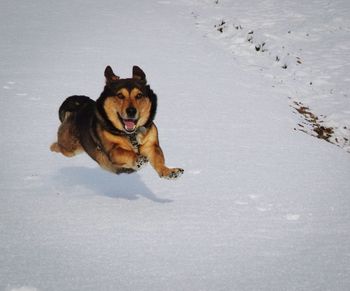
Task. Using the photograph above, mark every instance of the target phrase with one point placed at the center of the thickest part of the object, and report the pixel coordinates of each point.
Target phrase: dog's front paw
(141, 161)
(172, 174)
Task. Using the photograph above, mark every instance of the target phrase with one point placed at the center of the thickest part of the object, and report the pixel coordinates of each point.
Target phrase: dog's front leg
(156, 157)
(151, 149)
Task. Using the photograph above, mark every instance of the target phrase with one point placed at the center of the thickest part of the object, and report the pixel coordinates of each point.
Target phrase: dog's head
(127, 104)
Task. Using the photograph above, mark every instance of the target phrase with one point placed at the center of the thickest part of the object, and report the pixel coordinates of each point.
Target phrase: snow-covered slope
(301, 48)
(261, 206)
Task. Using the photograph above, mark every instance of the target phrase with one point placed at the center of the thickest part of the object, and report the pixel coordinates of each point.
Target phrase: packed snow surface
(261, 205)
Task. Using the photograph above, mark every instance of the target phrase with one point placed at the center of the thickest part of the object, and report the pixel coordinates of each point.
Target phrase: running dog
(116, 130)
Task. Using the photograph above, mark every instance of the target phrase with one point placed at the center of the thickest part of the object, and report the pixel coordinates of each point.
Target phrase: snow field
(260, 206)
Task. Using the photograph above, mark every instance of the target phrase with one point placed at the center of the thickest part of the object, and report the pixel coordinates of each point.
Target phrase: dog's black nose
(131, 111)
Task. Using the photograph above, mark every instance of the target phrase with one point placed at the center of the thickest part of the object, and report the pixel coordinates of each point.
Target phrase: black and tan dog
(116, 130)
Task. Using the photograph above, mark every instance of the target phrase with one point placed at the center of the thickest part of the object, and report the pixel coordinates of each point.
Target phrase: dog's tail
(73, 104)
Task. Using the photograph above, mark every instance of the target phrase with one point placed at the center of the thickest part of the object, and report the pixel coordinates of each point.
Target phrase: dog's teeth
(129, 125)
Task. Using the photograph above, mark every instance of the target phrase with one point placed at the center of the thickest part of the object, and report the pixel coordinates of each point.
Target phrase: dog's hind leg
(58, 148)
(67, 150)
(67, 137)
(67, 141)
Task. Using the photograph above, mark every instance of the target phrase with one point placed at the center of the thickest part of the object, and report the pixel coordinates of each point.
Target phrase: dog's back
(73, 104)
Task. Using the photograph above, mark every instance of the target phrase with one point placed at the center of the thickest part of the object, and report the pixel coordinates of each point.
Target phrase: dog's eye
(120, 96)
(139, 96)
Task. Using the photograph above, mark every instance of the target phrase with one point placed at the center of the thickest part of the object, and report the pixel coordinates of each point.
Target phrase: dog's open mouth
(129, 124)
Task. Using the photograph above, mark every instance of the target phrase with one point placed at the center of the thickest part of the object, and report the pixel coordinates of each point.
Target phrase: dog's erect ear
(138, 74)
(110, 77)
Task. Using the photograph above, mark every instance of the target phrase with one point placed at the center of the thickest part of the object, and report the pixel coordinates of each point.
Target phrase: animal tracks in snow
(292, 217)
(23, 288)
(12, 86)
(303, 55)
(8, 85)
(255, 201)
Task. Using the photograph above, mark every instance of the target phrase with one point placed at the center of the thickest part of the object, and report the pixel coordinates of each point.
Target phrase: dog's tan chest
(110, 141)
(126, 142)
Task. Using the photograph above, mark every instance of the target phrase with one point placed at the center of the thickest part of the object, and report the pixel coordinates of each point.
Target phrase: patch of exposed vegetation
(314, 125)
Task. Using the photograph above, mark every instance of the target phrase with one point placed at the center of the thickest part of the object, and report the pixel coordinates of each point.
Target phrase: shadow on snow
(124, 186)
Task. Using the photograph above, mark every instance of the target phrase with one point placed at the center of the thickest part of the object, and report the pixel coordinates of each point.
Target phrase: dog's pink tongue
(129, 124)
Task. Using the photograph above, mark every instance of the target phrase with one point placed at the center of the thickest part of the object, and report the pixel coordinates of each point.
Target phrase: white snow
(261, 206)
(23, 288)
(302, 47)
